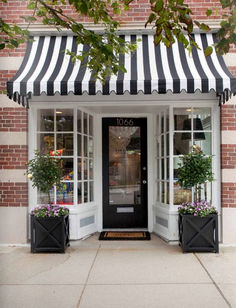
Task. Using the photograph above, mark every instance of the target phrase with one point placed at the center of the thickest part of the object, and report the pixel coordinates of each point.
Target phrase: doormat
(124, 236)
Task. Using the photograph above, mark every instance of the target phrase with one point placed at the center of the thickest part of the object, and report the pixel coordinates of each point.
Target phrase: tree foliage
(44, 171)
(195, 169)
(171, 19)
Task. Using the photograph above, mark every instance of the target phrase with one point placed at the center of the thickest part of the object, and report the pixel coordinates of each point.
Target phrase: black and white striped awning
(46, 68)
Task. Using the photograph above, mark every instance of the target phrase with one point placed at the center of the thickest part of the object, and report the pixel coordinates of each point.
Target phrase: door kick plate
(125, 210)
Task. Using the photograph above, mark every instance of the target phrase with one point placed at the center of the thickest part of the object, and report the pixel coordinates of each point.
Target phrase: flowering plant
(49, 210)
(201, 208)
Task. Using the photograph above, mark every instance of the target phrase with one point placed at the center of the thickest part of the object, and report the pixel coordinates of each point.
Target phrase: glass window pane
(85, 121)
(182, 195)
(79, 121)
(64, 120)
(91, 193)
(205, 144)
(162, 145)
(124, 165)
(85, 191)
(65, 143)
(158, 191)
(90, 125)
(79, 144)
(181, 146)
(79, 169)
(204, 114)
(42, 198)
(85, 168)
(45, 143)
(46, 120)
(79, 196)
(67, 169)
(90, 147)
(91, 169)
(65, 192)
(85, 146)
(181, 116)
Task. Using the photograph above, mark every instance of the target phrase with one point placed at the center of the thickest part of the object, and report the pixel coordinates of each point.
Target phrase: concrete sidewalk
(117, 274)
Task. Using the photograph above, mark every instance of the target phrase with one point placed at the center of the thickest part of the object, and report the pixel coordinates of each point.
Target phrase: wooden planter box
(49, 234)
(198, 234)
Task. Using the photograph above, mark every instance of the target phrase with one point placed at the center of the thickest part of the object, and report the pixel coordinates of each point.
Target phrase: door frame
(138, 218)
(98, 163)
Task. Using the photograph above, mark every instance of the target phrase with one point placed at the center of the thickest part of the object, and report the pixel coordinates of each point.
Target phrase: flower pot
(198, 234)
(49, 234)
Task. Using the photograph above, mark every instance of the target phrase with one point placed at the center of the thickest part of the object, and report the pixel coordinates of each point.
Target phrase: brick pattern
(13, 156)
(13, 119)
(14, 194)
(228, 194)
(228, 117)
(228, 156)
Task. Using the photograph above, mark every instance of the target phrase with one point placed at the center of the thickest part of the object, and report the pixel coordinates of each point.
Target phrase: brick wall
(228, 155)
(13, 157)
(14, 194)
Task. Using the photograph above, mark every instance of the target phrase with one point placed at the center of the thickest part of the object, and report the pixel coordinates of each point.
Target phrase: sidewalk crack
(86, 282)
(213, 281)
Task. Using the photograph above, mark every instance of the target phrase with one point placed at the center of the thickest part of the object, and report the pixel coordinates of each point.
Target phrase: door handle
(144, 182)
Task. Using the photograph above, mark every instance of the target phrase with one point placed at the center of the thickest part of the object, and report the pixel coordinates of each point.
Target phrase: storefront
(120, 141)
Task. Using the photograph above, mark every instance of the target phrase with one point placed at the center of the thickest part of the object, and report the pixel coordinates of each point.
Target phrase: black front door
(124, 172)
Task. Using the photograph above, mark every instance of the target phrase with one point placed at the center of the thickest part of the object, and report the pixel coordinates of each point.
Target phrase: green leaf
(205, 27)
(2, 46)
(159, 5)
(208, 12)
(208, 51)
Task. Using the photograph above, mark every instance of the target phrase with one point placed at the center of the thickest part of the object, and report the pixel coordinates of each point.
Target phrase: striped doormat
(124, 236)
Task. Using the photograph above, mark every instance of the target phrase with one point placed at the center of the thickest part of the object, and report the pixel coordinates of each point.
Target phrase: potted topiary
(49, 222)
(198, 220)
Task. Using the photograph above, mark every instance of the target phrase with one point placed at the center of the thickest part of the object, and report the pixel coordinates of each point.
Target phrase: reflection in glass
(64, 120)
(124, 165)
(46, 120)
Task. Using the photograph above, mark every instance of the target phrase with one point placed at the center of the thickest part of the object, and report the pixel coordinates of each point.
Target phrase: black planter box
(198, 234)
(49, 234)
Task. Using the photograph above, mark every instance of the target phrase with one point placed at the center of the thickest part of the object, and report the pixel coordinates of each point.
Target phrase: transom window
(68, 133)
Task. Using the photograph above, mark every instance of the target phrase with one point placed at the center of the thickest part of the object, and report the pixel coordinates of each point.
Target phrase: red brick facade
(14, 194)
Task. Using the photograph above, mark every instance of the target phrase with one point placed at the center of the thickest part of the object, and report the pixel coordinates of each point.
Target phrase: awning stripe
(47, 68)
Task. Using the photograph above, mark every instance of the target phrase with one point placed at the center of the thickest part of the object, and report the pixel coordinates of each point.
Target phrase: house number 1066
(125, 122)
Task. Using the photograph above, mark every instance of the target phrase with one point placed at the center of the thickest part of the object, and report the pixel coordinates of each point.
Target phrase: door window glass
(124, 165)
